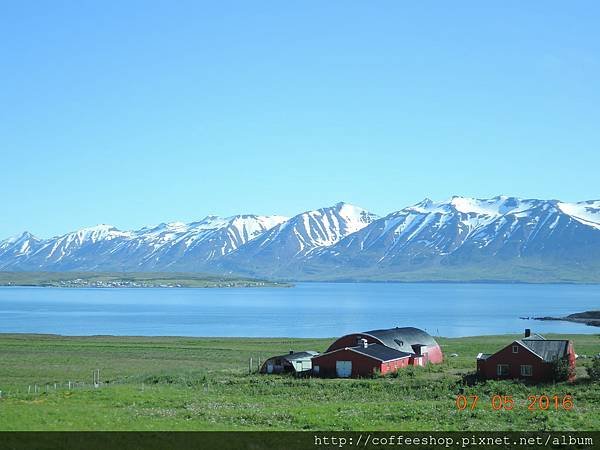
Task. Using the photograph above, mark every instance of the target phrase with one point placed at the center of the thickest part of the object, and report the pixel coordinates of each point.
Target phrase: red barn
(532, 358)
(362, 354)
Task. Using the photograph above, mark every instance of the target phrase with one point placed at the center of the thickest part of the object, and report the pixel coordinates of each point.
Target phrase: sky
(141, 112)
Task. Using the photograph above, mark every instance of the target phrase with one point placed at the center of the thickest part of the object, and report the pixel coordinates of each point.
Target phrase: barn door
(343, 369)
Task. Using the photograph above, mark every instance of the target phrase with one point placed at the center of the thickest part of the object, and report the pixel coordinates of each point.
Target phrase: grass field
(169, 383)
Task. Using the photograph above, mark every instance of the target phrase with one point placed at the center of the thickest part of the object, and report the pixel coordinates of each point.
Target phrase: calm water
(307, 310)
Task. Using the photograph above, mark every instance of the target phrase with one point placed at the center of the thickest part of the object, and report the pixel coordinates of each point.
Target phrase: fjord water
(306, 310)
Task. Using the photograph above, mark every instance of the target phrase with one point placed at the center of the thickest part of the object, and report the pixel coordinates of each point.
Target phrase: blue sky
(134, 113)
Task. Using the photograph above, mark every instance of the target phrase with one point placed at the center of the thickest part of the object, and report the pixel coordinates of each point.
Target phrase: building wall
(393, 366)
(362, 365)
(435, 355)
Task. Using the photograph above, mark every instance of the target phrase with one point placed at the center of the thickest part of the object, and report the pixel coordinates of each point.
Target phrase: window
(526, 370)
(502, 370)
(515, 349)
(316, 369)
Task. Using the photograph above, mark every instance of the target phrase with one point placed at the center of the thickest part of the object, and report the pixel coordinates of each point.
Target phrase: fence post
(250, 365)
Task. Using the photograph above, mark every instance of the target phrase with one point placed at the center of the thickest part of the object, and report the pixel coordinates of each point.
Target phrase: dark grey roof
(483, 356)
(299, 355)
(402, 338)
(548, 350)
(380, 352)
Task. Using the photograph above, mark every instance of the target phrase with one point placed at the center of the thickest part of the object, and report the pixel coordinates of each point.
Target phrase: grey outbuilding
(293, 362)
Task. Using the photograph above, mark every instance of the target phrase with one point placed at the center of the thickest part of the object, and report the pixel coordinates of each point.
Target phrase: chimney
(291, 352)
(363, 342)
(527, 332)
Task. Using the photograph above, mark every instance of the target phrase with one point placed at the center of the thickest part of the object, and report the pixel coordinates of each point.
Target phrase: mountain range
(461, 239)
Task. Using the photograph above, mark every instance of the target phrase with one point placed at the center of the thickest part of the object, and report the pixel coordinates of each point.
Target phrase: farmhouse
(384, 351)
(532, 358)
(293, 362)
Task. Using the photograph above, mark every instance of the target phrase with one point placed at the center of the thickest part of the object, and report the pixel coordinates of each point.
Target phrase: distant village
(379, 352)
(113, 284)
(142, 282)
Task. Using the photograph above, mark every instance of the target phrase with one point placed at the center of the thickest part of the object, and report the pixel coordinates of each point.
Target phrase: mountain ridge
(508, 238)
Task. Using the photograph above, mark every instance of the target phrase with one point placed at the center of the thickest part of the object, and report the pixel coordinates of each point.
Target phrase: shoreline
(589, 318)
(131, 280)
(238, 286)
(588, 322)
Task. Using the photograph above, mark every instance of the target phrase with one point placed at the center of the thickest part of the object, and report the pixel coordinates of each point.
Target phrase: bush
(410, 371)
(594, 370)
(562, 370)
(181, 379)
(394, 373)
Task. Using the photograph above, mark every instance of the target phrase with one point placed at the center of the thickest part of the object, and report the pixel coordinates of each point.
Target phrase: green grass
(170, 383)
(129, 279)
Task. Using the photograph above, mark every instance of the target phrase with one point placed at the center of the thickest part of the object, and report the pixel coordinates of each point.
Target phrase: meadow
(176, 383)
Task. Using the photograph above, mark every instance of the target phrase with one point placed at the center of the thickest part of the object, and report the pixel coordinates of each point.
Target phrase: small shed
(293, 362)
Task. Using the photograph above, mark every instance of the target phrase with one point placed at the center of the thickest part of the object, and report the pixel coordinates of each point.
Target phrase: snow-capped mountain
(168, 245)
(205, 241)
(463, 232)
(18, 246)
(502, 238)
(295, 239)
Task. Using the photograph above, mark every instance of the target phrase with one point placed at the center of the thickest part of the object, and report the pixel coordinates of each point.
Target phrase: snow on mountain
(206, 240)
(18, 246)
(104, 247)
(588, 213)
(465, 230)
(296, 238)
(483, 209)
(318, 228)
